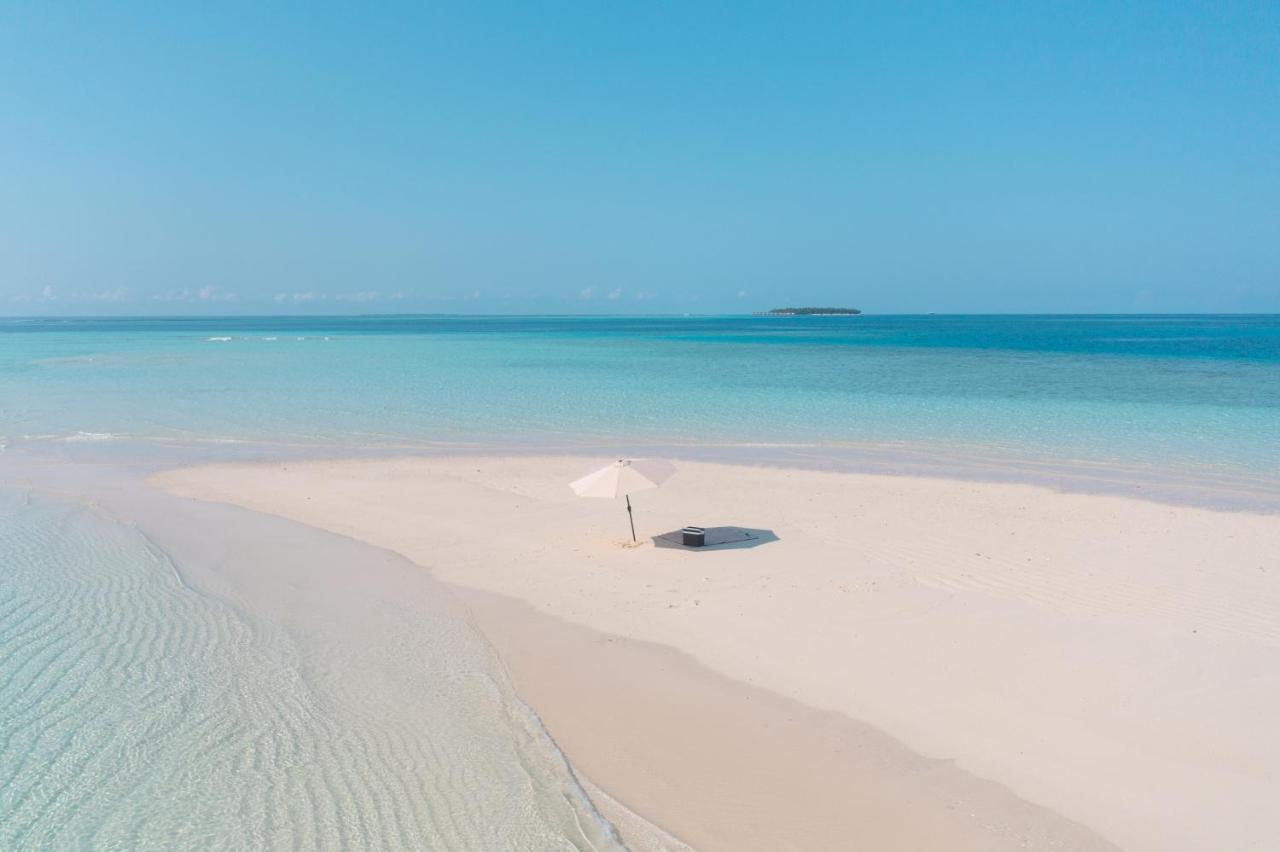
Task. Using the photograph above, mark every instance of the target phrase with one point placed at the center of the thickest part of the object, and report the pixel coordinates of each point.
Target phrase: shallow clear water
(140, 711)
(1193, 391)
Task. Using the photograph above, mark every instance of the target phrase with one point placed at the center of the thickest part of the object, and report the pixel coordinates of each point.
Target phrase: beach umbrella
(621, 478)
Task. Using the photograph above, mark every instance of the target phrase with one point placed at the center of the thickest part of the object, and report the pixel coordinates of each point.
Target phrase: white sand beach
(914, 663)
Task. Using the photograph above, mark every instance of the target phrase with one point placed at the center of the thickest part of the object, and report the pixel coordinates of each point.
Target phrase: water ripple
(138, 713)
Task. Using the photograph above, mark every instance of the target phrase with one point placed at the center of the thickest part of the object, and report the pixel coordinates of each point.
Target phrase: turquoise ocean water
(148, 701)
(1193, 391)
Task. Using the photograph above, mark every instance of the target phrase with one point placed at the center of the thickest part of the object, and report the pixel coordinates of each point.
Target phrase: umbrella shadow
(719, 538)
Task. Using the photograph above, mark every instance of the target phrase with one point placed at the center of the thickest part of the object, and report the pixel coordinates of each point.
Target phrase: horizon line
(666, 314)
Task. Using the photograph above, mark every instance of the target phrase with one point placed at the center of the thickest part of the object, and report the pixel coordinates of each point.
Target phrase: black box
(693, 536)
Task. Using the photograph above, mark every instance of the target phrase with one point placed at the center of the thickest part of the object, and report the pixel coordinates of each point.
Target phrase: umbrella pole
(632, 519)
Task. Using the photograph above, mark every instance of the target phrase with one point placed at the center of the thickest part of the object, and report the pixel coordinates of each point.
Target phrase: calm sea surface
(1187, 391)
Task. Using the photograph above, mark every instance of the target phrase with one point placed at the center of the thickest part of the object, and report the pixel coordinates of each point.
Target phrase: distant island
(811, 312)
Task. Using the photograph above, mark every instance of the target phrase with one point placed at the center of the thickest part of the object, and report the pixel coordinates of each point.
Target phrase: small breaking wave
(79, 437)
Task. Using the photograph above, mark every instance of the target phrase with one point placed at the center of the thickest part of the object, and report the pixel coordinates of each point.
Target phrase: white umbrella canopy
(621, 478)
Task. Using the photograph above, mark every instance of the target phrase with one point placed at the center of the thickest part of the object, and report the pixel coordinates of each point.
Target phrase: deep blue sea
(1188, 391)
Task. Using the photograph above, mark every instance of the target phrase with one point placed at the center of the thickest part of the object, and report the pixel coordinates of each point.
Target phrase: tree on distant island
(814, 312)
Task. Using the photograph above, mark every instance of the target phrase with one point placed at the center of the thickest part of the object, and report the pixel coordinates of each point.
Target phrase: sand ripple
(138, 713)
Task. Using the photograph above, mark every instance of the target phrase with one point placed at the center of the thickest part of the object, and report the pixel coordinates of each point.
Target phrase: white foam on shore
(80, 437)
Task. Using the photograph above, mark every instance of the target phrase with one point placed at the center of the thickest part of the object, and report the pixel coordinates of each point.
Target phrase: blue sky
(610, 157)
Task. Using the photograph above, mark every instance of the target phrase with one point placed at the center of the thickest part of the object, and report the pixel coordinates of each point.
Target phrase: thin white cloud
(279, 298)
(358, 296)
(47, 293)
(615, 294)
(183, 295)
(304, 297)
(586, 293)
(119, 294)
(211, 293)
(742, 294)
